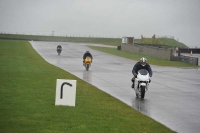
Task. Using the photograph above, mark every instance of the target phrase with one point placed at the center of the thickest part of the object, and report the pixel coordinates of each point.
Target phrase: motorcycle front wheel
(142, 91)
(87, 67)
(58, 52)
(136, 94)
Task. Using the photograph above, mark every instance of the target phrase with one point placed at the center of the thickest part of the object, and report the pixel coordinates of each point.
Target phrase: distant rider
(142, 64)
(87, 53)
(59, 47)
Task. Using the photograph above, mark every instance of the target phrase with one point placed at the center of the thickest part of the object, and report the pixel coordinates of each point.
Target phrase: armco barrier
(188, 59)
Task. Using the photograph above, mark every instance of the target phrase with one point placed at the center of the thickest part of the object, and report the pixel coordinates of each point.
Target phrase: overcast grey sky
(99, 18)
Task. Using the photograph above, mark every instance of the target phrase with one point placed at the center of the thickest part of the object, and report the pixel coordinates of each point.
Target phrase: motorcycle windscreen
(143, 71)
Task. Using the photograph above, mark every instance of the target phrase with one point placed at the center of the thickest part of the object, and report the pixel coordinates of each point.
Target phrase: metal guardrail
(188, 59)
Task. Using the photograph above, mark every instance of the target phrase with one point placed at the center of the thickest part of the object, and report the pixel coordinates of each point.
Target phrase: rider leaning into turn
(87, 53)
(142, 64)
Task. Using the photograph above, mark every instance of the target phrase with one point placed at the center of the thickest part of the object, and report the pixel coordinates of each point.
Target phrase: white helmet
(143, 61)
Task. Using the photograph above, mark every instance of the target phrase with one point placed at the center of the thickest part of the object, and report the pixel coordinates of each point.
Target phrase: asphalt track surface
(173, 98)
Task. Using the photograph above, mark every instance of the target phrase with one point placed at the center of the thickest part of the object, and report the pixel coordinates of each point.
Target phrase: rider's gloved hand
(135, 74)
(149, 80)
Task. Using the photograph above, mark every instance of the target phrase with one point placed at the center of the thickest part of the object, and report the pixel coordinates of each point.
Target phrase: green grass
(27, 100)
(168, 42)
(107, 41)
(151, 60)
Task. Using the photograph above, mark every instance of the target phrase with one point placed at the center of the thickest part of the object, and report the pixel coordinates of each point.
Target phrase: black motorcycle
(59, 49)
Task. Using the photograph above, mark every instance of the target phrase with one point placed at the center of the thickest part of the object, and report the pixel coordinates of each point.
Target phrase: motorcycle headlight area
(143, 82)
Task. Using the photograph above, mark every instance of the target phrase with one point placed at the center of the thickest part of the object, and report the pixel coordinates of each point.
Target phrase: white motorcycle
(141, 83)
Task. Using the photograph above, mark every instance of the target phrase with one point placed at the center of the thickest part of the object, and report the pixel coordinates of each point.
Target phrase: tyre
(136, 94)
(87, 67)
(58, 51)
(142, 91)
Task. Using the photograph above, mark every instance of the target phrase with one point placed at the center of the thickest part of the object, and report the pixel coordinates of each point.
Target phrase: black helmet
(87, 51)
(143, 61)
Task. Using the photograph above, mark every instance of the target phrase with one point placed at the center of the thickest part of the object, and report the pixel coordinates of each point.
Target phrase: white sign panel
(124, 39)
(65, 92)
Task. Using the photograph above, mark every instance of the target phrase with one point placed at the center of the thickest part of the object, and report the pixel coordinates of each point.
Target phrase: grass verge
(27, 99)
(107, 41)
(171, 43)
(151, 60)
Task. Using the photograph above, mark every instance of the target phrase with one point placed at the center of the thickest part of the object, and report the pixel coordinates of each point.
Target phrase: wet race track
(173, 98)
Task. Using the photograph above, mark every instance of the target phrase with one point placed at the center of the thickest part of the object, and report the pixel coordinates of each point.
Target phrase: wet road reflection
(140, 105)
(87, 76)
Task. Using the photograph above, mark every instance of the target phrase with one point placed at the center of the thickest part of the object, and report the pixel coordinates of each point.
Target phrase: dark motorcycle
(59, 49)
